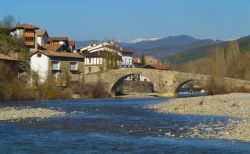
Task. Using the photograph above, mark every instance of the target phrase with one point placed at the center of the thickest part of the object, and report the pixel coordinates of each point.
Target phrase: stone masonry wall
(129, 87)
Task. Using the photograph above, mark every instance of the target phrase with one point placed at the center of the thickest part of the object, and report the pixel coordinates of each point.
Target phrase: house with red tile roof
(54, 60)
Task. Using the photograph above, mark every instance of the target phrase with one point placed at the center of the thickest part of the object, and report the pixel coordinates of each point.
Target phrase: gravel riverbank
(12, 113)
(236, 105)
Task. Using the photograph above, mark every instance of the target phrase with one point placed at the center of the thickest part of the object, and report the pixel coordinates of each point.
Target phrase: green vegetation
(143, 60)
(111, 60)
(10, 46)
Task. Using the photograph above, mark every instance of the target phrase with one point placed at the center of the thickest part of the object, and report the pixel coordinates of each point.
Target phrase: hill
(196, 53)
(161, 48)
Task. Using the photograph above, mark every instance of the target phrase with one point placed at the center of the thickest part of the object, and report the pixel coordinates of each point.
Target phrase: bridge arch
(181, 84)
(118, 82)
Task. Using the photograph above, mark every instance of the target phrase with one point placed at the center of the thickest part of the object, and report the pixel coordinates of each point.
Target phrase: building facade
(42, 37)
(101, 57)
(62, 65)
(27, 32)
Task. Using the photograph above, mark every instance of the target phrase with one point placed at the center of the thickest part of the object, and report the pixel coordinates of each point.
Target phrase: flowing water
(109, 126)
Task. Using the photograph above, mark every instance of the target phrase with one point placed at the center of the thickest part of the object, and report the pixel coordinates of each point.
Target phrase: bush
(13, 88)
(216, 85)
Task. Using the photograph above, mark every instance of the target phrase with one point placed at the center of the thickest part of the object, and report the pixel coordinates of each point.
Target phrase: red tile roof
(72, 43)
(26, 26)
(58, 39)
(63, 54)
(51, 47)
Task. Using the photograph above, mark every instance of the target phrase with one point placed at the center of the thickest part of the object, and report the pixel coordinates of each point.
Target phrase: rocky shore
(12, 113)
(236, 105)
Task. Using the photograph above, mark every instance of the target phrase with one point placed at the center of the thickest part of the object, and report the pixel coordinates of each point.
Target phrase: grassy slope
(200, 52)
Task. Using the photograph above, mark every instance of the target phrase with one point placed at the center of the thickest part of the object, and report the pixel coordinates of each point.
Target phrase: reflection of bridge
(165, 82)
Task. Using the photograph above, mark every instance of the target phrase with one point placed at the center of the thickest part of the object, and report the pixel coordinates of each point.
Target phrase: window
(89, 69)
(89, 60)
(29, 39)
(73, 66)
(29, 30)
(39, 55)
(55, 65)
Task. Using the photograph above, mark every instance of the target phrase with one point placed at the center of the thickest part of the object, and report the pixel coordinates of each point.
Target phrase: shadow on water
(109, 125)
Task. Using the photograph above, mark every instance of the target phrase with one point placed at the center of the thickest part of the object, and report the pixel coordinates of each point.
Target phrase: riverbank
(12, 113)
(236, 105)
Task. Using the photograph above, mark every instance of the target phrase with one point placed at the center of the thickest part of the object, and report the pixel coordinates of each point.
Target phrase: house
(102, 56)
(55, 47)
(72, 46)
(59, 40)
(27, 32)
(137, 62)
(62, 65)
(13, 63)
(42, 37)
(127, 58)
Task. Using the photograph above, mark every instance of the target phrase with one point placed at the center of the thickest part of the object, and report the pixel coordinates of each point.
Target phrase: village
(59, 57)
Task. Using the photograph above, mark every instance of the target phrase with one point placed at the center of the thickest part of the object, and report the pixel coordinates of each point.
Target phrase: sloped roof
(58, 39)
(97, 54)
(52, 47)
(62, 54)
(41, 32)
(26, 26)
(4, 57)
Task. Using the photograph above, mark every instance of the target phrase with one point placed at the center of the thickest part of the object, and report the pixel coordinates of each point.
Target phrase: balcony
(28, 34)
(29, 43)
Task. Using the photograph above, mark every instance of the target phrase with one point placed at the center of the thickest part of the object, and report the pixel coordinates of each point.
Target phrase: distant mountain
(200, 52)
(161, 48)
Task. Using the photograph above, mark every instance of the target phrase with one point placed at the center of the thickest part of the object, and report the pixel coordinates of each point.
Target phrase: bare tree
(8, 22)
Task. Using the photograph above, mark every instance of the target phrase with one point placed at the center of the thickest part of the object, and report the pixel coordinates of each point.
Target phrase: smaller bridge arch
(181, 84)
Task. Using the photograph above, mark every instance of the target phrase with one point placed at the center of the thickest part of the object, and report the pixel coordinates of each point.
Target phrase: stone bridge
(166, 83)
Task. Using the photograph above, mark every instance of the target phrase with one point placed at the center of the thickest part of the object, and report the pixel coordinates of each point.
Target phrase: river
(109, 126)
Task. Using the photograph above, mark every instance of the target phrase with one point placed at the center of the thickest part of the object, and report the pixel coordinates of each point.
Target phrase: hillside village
(59, 58)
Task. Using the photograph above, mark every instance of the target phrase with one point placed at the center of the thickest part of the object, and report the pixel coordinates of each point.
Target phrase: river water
(109, 126)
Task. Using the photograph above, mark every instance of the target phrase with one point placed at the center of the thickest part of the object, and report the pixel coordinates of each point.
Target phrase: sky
(127, 20)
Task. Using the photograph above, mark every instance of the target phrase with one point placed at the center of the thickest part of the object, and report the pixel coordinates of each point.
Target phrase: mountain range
(160, 48)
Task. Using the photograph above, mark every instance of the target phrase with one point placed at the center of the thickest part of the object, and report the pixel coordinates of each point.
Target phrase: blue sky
(125, 20)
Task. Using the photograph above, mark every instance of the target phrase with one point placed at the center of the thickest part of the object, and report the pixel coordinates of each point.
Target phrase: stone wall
(129, 87)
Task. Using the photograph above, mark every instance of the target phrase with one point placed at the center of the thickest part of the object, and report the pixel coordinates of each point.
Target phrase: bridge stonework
(165, 83)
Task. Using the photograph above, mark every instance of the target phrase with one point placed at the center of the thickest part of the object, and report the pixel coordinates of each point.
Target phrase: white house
(55, 60)
(97, 56)
(59, 40)
(42, 37)
(127, 59)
